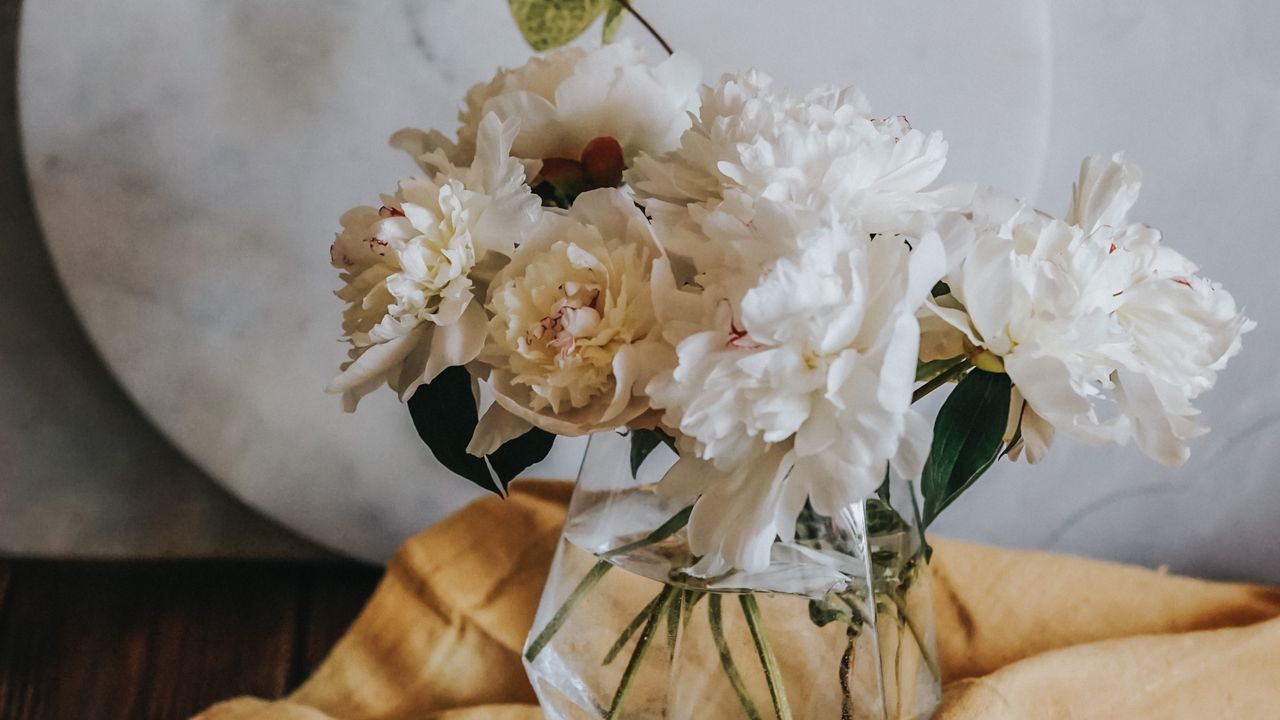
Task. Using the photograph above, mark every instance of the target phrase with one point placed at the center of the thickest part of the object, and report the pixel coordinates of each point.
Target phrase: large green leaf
(445, 416)
(966, 439)
(547, 24)
(513, 457)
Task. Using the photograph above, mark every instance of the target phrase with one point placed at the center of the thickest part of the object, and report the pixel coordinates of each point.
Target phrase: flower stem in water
(664, 531)
(637, 655)
(726, 657)
(929, 659)
(631, 629)
(584, 586)
(674, 610)
(768, 661)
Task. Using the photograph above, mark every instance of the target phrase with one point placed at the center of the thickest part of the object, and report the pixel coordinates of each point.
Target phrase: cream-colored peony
(412, 268)
(573, 337)
(1107, 334)
(570, 96)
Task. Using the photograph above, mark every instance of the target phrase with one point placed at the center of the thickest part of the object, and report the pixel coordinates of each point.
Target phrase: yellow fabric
(1021, 634)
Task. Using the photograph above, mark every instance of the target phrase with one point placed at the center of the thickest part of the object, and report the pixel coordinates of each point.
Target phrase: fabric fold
(1021, 634)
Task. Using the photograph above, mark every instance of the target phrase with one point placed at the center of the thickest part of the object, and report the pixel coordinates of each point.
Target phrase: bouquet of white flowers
(764, 283)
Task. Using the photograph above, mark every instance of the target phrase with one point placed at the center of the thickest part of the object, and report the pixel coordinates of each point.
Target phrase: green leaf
(643, 443)
(445, 415)
(612, 22)
(966, 439)
(547, 24)
(517, 454)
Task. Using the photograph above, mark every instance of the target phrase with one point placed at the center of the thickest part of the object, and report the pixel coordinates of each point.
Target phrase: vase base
(610, 643)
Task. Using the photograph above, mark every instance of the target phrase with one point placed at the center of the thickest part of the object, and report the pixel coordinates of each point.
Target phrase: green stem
(637, 655)
(726, 658)
(691, 601)
(631, 629)
(768, 661)
(925, 548)
(584, 586)
(664, 531)
(943, 378)
(929, 659)
(674, 610)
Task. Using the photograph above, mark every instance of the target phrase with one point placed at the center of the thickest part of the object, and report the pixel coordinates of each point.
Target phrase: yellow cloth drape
(1021, 634)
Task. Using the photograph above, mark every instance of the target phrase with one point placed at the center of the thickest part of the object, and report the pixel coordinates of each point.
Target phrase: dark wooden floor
(163, 640)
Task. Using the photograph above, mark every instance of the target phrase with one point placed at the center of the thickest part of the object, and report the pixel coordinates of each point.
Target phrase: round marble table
(190, 158)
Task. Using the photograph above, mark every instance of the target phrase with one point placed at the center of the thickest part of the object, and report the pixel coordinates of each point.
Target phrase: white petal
(451, 345)
(1037, 435)
(1105, 192)
(496, 427)
(373, 364)
(913, 448)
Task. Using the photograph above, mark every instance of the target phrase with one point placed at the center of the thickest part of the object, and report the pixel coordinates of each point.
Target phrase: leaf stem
(637, 655)
(943, 378)
(929, 659)
(652, 31)
(631, 629)
(726, 658)
(768, 661)
(925, 548)
(674, 610)
(587, 582)
(664, 531)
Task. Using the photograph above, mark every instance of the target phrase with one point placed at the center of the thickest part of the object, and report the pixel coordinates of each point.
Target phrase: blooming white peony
(413, 266)
(797, 388)
(754, 142)
(570, 96)
(573, 337)
(802, 240)
(1107, 334)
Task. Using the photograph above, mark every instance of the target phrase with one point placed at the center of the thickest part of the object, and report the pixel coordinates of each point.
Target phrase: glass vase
(839, 626)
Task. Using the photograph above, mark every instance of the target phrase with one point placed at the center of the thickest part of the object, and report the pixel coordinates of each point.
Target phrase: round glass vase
(840, 624)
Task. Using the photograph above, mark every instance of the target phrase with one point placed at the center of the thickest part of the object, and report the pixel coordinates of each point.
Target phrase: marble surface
(1190, 91)
(189, 158)
(82, 472)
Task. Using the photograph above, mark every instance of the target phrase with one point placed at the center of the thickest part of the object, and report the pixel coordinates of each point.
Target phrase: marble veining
(190, 158)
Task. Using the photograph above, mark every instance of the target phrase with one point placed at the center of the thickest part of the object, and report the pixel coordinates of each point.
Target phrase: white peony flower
(797, 388)
(802, 240)
(572, 95)
(1107, 334)
(573, 337)
(753, 142)
(413, 266)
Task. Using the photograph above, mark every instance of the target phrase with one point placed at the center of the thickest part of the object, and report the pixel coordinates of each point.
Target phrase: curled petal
(496, 427)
